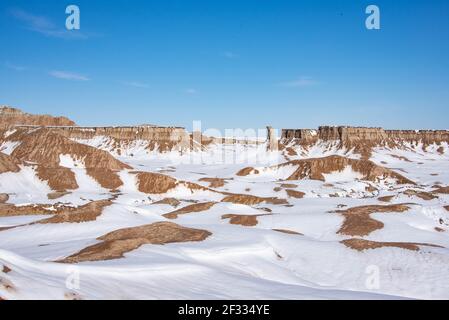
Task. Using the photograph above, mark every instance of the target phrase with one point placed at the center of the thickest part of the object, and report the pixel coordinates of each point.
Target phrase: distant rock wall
(9, 117)
(354, 135)
(126, 133)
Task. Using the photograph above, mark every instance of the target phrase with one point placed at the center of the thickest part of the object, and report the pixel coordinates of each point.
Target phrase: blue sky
(230, 64)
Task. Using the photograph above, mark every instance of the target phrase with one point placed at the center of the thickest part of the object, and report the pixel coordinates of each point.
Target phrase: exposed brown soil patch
(58, 178)
(288, 232)
(44, 147)
(288, 186)
(247, 172)
(57, 195)
(291, 152)
(420, 194)
(88, 212)
(170, 201)
(443, 190)
(115, 244)
(277, 189)
(243, 220)
(315, 168)
(194, 186)
(197, 207)
(214, 182)
(252, 200)
(361, 245)
(3, 197)
(155, 183)
(385, 198)
(295, 194)
(10, 210)
(5, 269)
(371, 189)
(7, 285)
(440, 150)
(438, 229)
(400, 158)
(8, 164)
(105, 177)
(358, 221)
(447, 208)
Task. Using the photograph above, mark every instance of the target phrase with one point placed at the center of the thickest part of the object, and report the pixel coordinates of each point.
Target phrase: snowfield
(257, 248)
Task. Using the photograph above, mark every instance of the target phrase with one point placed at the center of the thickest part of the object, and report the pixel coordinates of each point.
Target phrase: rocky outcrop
(316, 168)
(10, 117)
(174, 134)
(8, 164)
(272, 140)
(352, 135)
(160, 138)
(362, 139)
(115, 244)
(44, 148)
(302, 135)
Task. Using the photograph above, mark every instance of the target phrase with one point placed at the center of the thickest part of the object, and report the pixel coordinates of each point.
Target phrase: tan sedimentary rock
(214, 182)
(315, 168)
(358, 221)
(363, 139)
(197, 207)
(44, 147)
(10, 117)
(361, 245)
(3, 197)
(243, 219)
(8, 163)
(160, 138)
(155, 183)
(247, 171)
(170, 201)
(115, 244)
(295, 194)
(306, 136)
(88, 212)
(252, 200)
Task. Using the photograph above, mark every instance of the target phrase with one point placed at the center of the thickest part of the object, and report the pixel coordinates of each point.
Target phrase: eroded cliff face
(10, 117)
(351, 135)
(126, 133)
(303, 135)
(160, 138)
(362, 139)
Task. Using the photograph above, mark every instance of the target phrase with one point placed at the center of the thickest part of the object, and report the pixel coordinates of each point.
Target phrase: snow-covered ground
(236, 261)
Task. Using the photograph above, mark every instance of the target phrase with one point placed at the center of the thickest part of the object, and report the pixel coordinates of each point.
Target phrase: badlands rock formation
(10, 117)
(362, 139)
(180, 215)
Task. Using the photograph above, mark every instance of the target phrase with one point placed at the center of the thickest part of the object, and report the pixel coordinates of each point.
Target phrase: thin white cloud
(68, 76)
(191, 91)
(14, 67)
(300, 83)
(44, 25)
(136, 84)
